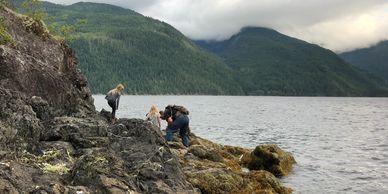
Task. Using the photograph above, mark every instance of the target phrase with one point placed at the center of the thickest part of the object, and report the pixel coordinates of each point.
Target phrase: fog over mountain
(337, 25)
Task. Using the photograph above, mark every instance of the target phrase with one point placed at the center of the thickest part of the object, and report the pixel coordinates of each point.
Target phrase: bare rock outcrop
(38, 65)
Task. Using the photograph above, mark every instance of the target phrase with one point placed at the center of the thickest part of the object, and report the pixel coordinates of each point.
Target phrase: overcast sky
(339, 25)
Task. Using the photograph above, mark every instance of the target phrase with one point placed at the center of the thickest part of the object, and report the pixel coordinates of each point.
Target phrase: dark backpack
(181, 109)
(171, 110)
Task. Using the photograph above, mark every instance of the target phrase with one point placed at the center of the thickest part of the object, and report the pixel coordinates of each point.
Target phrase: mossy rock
(216, 181)
(235, 151)
(203, 153)
(5, 37)
(60, 168)
(270, 158)
(263, 182)
(38, 27)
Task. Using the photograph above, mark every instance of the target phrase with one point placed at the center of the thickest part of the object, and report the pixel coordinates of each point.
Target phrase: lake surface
(340, 144)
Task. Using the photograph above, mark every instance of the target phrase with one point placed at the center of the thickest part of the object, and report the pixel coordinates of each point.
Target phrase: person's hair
(153, 110)
(118, 89)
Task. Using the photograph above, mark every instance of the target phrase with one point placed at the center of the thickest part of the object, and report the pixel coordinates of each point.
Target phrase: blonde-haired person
(153, 116)
(113, 98)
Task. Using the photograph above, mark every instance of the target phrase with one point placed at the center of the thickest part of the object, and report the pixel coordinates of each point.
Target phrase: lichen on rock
(36, 26)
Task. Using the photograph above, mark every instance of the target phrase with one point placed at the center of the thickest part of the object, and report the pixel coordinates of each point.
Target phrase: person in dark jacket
(181, 123)
(113, 98)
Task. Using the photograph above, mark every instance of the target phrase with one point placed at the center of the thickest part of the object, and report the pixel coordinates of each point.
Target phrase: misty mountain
(373, 60)
(267, 62)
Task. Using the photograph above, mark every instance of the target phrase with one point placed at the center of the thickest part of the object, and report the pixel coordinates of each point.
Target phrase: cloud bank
(339, 25)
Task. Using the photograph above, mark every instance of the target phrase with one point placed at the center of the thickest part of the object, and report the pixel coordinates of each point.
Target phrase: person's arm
(160, 125)
(169, 121)
(176, 124)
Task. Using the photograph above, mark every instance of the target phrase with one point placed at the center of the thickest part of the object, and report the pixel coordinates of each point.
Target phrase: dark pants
(182, 124)
(112, 104)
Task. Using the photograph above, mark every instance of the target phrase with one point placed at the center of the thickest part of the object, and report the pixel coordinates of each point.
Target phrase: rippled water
(340, 144)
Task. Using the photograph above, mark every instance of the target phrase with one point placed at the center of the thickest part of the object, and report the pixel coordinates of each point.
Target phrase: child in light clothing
(153, 116)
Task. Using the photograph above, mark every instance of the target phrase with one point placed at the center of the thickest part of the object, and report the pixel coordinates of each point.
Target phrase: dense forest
(373, 60)
(116, 45)
(269, 63)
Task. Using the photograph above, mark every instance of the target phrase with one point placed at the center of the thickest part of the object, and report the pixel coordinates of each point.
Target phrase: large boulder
(149, 162)
(271, 158)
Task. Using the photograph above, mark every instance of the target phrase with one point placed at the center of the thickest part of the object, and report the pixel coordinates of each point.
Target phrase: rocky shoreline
(52, 140)
(215, 168)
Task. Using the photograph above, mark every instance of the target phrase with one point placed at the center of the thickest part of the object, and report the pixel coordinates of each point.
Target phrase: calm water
(340, 144)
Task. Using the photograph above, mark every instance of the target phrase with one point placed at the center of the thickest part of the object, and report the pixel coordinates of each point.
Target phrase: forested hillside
(117, 45)
(269, 63)
(373, 60)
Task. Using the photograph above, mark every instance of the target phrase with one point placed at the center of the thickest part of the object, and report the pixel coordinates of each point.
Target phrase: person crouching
(181, 123)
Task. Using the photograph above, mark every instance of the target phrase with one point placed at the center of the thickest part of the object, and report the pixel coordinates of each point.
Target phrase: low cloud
(336, 25)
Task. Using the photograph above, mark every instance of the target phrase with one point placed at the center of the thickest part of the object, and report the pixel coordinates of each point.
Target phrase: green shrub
(5, 37)
(33, 9)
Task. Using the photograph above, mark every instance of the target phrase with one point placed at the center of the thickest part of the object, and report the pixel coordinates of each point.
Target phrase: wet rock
(270, 158)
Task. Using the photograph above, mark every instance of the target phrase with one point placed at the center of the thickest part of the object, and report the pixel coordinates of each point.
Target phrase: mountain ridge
(270, 63)
(373, 60)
